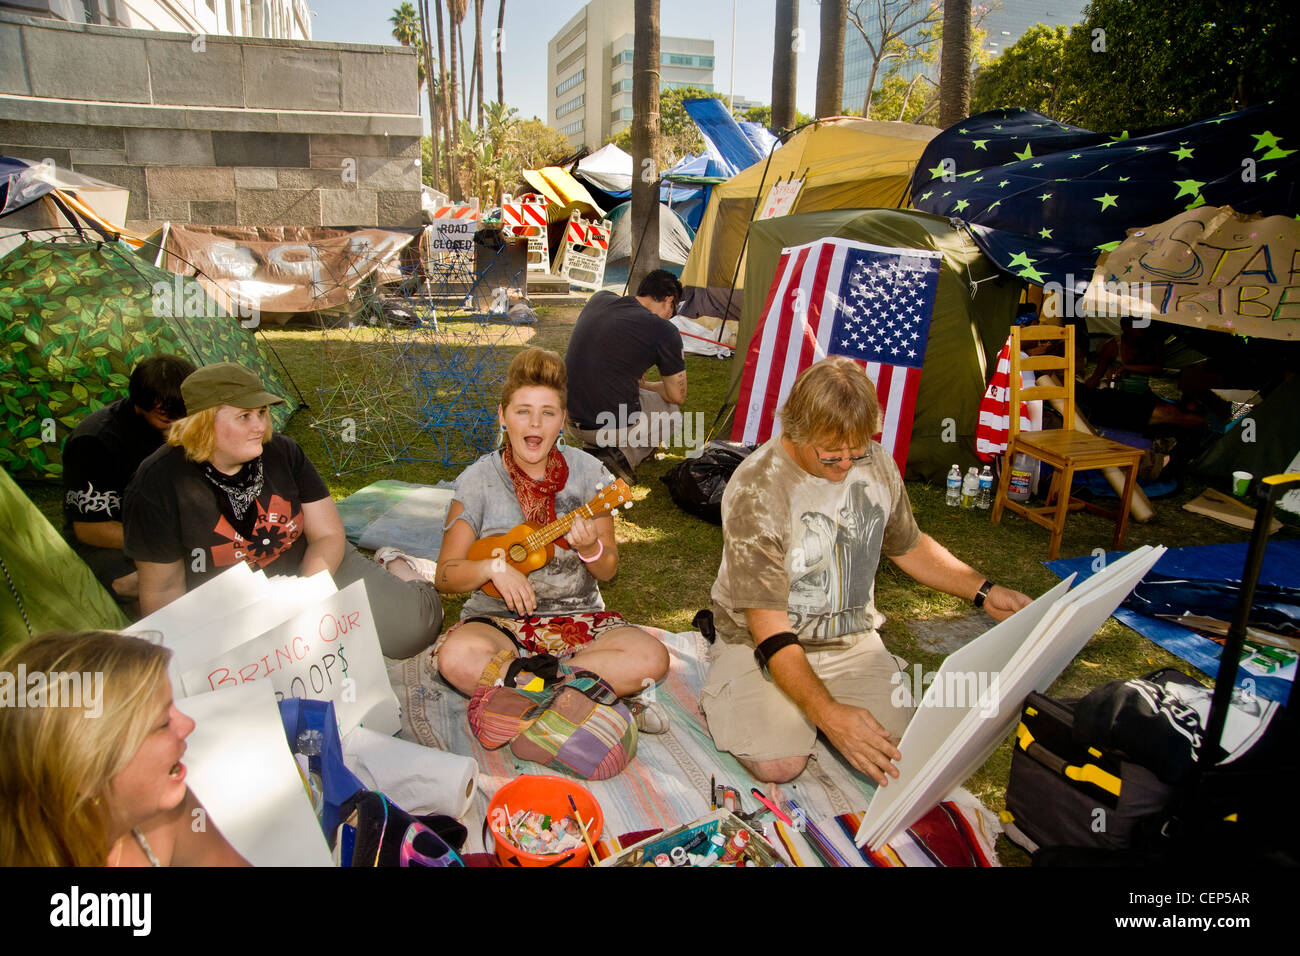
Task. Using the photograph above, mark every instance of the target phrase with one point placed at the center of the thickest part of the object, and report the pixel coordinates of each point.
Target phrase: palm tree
(954, 63)
(435, 98)
(645, 140)
(500, 42)
(406, 31)
(478, 60)
(455, 14)
(785, 63)
(830, 59)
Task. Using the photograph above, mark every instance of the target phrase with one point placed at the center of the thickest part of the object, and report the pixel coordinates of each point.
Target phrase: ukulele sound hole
(518, 552)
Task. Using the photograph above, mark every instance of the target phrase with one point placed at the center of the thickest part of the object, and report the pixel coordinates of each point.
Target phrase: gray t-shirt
(809, 546)
(563, 585)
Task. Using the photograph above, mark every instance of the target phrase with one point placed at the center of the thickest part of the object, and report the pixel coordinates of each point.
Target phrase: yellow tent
(845, 163)
(565, 193)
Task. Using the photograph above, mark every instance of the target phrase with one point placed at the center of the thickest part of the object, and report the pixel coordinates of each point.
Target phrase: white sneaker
(424, 567)
(650, 718)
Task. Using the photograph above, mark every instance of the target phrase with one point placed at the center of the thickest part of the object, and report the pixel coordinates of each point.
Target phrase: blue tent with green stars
(1044, 199)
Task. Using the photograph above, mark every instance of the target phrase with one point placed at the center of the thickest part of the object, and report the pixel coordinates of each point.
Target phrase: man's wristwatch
(982, 593)
(769, 647)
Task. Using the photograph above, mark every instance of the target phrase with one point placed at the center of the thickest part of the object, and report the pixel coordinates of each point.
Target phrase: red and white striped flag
(839, 297)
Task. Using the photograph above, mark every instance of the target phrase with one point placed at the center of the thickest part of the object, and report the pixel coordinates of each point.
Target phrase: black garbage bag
(697, 483)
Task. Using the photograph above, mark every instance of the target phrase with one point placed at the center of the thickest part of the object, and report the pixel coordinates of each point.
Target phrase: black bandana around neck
(242, 488)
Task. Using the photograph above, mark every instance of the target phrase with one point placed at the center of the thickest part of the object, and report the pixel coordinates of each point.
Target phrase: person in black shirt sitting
(102, 454)
(614, 412)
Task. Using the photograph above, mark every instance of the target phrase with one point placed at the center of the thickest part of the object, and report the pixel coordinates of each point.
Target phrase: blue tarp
(1044, 199)
(725, 141)
(1224, 562)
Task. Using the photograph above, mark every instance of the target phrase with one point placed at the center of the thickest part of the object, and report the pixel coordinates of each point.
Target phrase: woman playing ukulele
(556, 609)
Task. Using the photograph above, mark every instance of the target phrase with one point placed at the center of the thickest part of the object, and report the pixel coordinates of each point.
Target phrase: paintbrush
(591, 850)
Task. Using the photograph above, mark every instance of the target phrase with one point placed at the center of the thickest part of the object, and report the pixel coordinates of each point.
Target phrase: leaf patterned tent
(77, 317)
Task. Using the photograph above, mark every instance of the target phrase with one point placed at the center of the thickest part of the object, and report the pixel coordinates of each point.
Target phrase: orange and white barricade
(582, 254)
(525, 217)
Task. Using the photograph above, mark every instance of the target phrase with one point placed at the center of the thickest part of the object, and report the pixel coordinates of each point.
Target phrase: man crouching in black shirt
(100, 457)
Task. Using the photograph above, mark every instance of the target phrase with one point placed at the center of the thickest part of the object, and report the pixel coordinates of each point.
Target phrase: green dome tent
(974, 306)
(76, 318)
(44, 586)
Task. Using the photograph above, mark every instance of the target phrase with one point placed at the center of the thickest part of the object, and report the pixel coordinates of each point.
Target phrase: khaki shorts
(752, 718)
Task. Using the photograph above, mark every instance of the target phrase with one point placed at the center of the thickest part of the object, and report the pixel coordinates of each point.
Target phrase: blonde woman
(228, 489)
(93, 775)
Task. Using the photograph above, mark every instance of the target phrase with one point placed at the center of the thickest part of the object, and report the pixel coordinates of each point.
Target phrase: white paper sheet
(329, 651)
(240, 767)
(942, 746)
(217, 597)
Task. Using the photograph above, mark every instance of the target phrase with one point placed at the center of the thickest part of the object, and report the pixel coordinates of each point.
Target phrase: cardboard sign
(780, 199)
(328, 651)
(1208, 267)
(242, 771)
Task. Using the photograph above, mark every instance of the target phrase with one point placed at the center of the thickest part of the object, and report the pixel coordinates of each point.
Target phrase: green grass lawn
(669, 558)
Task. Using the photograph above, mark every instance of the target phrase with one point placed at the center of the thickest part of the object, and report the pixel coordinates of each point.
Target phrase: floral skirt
(558, 634)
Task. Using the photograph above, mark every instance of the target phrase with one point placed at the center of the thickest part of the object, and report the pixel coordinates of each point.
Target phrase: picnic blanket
(668, 782)
(1225, 562)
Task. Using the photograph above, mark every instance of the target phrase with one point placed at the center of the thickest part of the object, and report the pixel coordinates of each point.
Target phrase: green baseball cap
(225, 383)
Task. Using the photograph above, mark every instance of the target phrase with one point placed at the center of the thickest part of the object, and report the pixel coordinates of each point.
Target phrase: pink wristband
(600, 549)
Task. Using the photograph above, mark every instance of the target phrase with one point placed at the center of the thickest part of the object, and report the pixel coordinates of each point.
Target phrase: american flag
(839, 297)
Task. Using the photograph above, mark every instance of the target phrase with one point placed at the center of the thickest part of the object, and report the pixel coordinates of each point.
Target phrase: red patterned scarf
(537, 497)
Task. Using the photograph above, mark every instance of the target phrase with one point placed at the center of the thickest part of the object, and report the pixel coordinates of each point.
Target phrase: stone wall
(218, 130)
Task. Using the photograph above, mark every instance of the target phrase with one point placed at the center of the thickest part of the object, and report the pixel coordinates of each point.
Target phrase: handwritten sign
(452, 235)
(328, 651)
(780, 199)
(1208, 267)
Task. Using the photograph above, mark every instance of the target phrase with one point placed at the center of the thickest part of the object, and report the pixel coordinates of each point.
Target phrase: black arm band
(982, 593)
(770, 646)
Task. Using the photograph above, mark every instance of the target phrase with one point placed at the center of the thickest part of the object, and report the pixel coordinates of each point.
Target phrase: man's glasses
(853, 459)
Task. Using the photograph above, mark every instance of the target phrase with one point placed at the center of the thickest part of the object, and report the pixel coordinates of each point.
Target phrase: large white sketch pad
(943, 746)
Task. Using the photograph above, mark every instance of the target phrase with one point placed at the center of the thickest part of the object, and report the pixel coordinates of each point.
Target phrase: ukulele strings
(544, 536)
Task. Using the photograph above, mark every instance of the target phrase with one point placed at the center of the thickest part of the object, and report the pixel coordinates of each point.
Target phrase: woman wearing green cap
(227, 489)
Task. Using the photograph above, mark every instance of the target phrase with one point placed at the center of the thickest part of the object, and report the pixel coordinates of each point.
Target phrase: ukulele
(527, 547)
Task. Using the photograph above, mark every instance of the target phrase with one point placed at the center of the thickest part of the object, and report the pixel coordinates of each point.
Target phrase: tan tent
(845, 163)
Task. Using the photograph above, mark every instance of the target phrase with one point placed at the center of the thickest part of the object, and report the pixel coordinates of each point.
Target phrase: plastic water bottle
(1021, 472)
(985, 499)
(954, 487)
(970, 487)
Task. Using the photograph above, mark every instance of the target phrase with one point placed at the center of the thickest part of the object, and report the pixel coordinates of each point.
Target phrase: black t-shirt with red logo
(173, 513)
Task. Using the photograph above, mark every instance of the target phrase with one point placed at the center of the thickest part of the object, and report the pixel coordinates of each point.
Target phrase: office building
(589, 71)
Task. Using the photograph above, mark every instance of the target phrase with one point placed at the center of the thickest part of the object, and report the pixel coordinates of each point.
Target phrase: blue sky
(366, 21)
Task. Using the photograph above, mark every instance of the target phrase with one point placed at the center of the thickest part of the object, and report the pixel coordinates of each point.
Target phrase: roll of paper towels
(418, 779)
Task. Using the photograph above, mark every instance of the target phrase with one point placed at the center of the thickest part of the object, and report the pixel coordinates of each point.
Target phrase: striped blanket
(668, 782)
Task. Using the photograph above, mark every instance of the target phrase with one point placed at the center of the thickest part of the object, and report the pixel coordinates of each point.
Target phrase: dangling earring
(501, 436)
(560, 443)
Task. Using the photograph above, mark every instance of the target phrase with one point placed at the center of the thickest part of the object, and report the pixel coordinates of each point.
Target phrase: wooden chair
(1066, 449)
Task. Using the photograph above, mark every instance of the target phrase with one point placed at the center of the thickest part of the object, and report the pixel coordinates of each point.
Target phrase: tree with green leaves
(1137, 63)
(406, 31)
(678, 134)
(889, 28)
